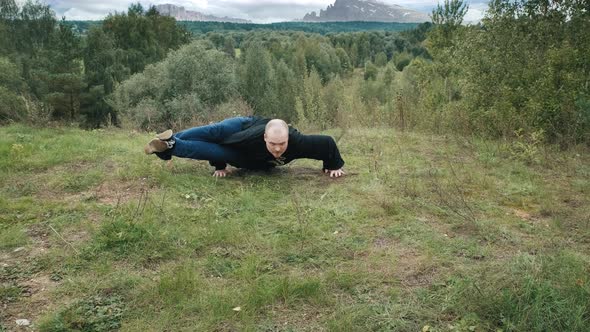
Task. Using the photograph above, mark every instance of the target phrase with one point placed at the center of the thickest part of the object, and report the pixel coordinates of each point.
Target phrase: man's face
(276, 143)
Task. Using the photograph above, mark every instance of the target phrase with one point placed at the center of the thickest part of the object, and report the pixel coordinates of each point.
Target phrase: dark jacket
(254, 155)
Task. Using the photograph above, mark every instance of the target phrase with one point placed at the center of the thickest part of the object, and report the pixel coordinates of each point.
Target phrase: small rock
(23, 322)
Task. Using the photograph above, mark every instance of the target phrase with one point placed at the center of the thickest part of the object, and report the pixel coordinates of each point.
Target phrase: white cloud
(475, 13)
(81, 15)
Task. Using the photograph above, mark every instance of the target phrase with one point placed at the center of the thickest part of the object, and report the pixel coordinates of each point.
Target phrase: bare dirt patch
(20, 269)
(113, 192)
(530, 217)
(32, 305)
(39, 234)
(414, 269)
(402, 264)
(303, 317)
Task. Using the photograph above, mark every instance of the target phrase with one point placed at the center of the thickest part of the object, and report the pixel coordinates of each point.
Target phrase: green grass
(451, 233)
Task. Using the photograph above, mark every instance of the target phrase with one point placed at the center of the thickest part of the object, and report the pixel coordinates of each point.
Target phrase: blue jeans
(202, 143)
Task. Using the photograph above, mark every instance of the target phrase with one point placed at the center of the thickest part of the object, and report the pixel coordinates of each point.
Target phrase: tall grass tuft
(534, 293)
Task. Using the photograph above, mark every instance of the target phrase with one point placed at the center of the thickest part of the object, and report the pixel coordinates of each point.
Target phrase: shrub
(169, 94)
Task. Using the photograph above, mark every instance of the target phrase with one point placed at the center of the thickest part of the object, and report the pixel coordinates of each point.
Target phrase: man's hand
(334, 173)
(221, 173)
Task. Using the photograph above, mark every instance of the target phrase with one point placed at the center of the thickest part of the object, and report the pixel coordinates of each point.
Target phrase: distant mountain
(181, 14)
(366, 10)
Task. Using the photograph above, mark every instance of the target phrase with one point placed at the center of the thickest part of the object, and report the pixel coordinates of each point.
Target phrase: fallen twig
(61, 237)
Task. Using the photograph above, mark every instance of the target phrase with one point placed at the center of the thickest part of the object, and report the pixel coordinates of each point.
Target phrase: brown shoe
(155, 145)
(166, 135)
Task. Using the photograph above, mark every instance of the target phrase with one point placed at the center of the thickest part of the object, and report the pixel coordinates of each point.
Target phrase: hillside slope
(424, 231)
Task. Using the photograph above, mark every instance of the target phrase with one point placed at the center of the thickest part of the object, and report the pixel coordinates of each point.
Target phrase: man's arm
(335, 173)
(220, 168)
(320, 147)
(221, 173)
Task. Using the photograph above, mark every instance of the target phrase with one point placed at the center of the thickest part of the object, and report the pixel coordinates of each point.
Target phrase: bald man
(247, 142)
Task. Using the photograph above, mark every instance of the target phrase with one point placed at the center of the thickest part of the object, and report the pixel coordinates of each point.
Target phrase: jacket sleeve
(219, 165)
(319, 147)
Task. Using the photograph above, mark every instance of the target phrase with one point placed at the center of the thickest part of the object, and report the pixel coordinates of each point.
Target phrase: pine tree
(103, 68)
(64, 78)
(8, 26)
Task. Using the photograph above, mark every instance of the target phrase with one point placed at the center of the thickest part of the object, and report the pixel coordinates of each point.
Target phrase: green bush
(370, 71)
(12, 106)
(178, 90)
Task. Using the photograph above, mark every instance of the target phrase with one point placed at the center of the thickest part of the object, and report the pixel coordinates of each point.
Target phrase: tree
(104, 67)
(124, 45)
(34, 28)
(37, 24)
(333, 96)
(8, 10)
(229, 46)
(12, 86)
(401, 60)
(8, 26)
(364, 48)
(313, 102)
(381, 59)
(534, 55)
(183, 87)
(64, 77)
(257, 80)
(447, 19)
(145, 37)
(370, 71)
(354, 55)
(450, 14)
(285, 92)
(345, 63)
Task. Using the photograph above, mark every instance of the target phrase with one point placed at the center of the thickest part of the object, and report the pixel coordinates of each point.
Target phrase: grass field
(426, 233)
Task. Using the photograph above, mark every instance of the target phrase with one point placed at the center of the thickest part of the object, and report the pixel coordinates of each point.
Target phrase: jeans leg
(214, 132)
(203, 151)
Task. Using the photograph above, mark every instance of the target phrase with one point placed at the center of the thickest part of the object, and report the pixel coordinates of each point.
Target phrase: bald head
(276, 127)
(276, 136)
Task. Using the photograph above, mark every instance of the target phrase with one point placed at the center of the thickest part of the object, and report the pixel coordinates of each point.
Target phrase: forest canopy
(523, 71)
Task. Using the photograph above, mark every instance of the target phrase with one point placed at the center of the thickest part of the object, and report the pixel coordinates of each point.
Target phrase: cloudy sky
(258, 11)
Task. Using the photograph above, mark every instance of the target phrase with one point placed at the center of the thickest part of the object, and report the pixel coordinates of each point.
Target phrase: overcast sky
(258, 11)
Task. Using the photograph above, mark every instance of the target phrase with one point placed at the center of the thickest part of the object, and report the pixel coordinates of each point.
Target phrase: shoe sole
(166, 135)
(155, 145)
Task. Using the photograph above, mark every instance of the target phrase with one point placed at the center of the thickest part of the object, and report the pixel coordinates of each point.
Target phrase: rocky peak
(366, 10)
(181, 14)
